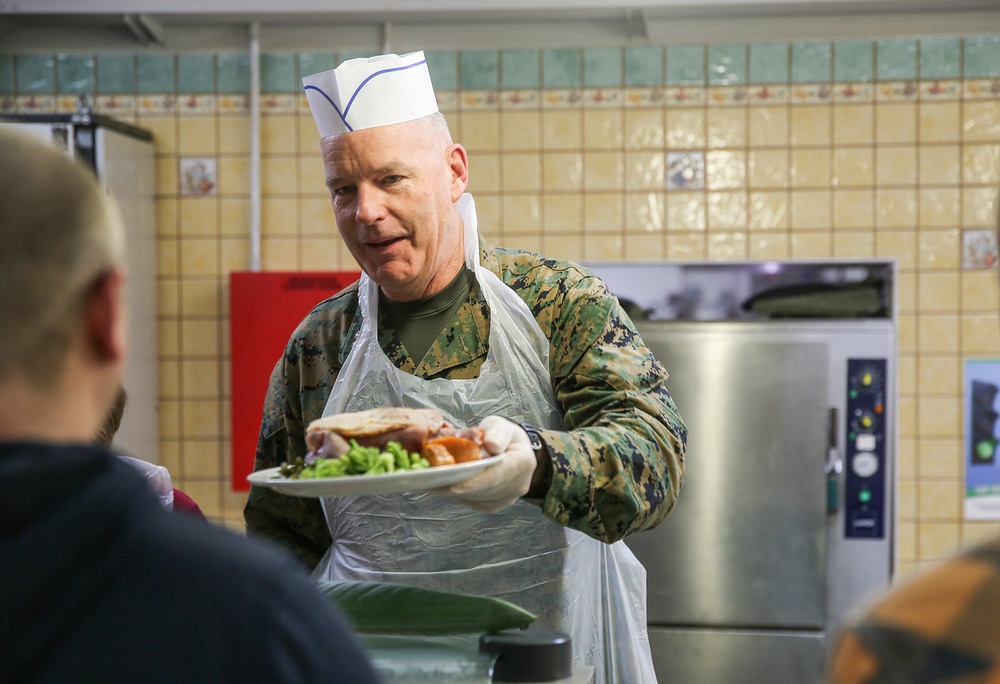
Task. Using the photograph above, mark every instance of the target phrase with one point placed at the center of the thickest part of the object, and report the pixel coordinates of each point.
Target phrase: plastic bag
(158, 479)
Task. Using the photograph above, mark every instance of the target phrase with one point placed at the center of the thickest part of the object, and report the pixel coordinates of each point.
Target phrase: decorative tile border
(234, 104)
(603, 98)
(728, 96)
(447, 100)
(686, 96)
(769, 94)
(36, 104)
(562, 99)
(196, 104)
(982, 89)
(811, 93)
(897, 91)
(113, 105)
(278, 103)
(854, 92)
(940, 90)
(520, 99)
(479, 99)
(157, 104)
(645, 97)
(8, 104)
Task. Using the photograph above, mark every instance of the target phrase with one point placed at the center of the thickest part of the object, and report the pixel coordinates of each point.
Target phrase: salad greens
(357, 460)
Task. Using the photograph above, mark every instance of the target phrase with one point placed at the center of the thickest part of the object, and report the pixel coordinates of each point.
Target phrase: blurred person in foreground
(937, 627)
(100, 583)
(535, 350)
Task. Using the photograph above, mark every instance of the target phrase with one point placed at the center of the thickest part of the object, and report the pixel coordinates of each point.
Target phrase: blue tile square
(897, 60)
(277, 73)
(940, 58)
(115, 74)
(196, 73)
(854, 61)
(519, 69)
(443, 65)
(727, 65)
(811, 62)
(6, 74)
(769, 63)
(561, 68)
(643, 66)
(234, 72)
(36, 74)
(76, 74)
(354, 54)
(602, 68)
(156, 74)
(480, 69)
(686, 65)
(982, 57)
(311, 63)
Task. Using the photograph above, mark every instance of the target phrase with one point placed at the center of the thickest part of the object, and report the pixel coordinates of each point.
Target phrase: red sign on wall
(264, 309)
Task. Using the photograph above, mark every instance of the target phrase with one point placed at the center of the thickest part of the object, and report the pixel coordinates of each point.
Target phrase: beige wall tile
(170, 421)
(164, 130)
(308, 136)
(316, 214)
(522, 214)
(645, 170)
(234, 216)
(727, 127)
(940, 500)
(644, 247)
(811, 125)
(279, 216)
(940, 375)
(168, 377)
(939, 207)
(199, 337)
(521, 131)
(906, 417)
(981, 334)
(686, 246)
(812, 245)
(896, 165)
(811, 210)
(168, 338)
(938, 291)
(727, 210)
(166, 176)
(896, 122)
(234, 176)
(906, 542)
(940, 457)
(562, 214)
(603, 170)
(685, 129)
(644, 129)
(234, 134)
(523, 172)
(896, 208)
(975, 532)
(170, 455)
(906, 373)
(562, 171)
(644, 213)
(199, 217)
(907, 332)
(607, 247)
(197, 135)
(980, 291)
(938, 540)
(939, 122)
(166, 257)
(279, 134)
(484, 174)
(234, 254)
(562, 130)
(312, 176)
(854, 245)
(853, 209)
(768, 245)
(168, 296)
(853, 167)
(938, 334)
(811, 168)
(768, 126)
(907, 503)
(565, 247)
(205, 494)
(906, 459)
(278, 175)
(201, 458)
(981, 120)
(199, 257)
(200, 378)
(725, 170)
(902, 245)
(768, 168)
(853, 124)
(979, 207)
(940, 165)
(490, 215)
(686, 211)
(322, 254)
(940, 249)
(603, 213)
(727, 246)
(981, 164)
(480, 131)
(166, 217)
(602, 129)
(768, 211)
(906, 291)
(279, 254)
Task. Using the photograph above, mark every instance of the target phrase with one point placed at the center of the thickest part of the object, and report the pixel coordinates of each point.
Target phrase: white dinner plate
(383, 483)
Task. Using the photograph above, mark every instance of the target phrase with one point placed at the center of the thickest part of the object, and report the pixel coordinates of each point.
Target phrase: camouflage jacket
(617, 470)
(940, 628)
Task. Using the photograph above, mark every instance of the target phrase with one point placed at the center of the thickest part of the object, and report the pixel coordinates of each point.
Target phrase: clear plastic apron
(595, 592)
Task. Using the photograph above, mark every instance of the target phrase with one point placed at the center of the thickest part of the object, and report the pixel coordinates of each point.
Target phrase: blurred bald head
(60, 233)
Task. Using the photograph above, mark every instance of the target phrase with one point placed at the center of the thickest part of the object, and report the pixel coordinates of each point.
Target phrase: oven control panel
(865, 504)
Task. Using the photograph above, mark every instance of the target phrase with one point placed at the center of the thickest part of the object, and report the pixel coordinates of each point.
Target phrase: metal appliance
(785, 521)
(123, 159)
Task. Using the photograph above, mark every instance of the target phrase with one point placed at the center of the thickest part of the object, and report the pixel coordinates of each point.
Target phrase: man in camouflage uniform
(609, 457)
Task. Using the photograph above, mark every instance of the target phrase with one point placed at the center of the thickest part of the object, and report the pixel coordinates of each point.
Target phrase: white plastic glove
(502, 484)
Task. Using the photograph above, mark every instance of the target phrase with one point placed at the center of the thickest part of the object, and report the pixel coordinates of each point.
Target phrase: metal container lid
(530, 655)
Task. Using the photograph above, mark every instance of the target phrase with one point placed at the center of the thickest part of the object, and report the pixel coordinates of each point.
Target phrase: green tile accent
(602, 68)
(353, 54)
(311, 63)
(76, 74)
(854, 61)
(480, 69)
(156, 73)
(643, 66)
(115, 74)
(234, 72)
(277, 73)
(6, 73)
(769, 63)
(982, 57)
(940, 58)
(727, 65)
(561, 68)
(897, 60)
(443, 65)
(811, 62)
(196, 73)
(36, 74)
(519, 69)
(686, 65)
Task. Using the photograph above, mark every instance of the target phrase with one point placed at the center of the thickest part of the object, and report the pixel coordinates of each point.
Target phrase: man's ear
(458, 162)
(105, 316)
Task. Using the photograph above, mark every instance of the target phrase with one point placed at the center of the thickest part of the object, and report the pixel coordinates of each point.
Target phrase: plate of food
(380, 451)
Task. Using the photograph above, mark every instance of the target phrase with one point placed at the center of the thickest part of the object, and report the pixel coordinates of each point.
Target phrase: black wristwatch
(536, 439)
(543, 478)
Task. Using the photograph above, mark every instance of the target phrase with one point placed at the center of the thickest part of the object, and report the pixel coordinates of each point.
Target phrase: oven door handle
(834, 465)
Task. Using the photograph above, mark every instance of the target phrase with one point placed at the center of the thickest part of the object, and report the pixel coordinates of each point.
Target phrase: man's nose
(371, 207)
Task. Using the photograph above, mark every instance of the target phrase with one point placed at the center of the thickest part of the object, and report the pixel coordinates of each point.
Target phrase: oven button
(864, 464)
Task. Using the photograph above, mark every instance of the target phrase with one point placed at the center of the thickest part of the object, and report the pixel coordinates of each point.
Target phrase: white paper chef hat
(365, 93)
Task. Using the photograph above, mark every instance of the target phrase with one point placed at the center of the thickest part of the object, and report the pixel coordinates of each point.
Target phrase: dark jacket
(101, 584)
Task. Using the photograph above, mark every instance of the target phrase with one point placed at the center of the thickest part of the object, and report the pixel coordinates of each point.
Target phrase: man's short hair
(59, 232)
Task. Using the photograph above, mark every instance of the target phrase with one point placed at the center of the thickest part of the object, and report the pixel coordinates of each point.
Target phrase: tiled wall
(843, 149)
